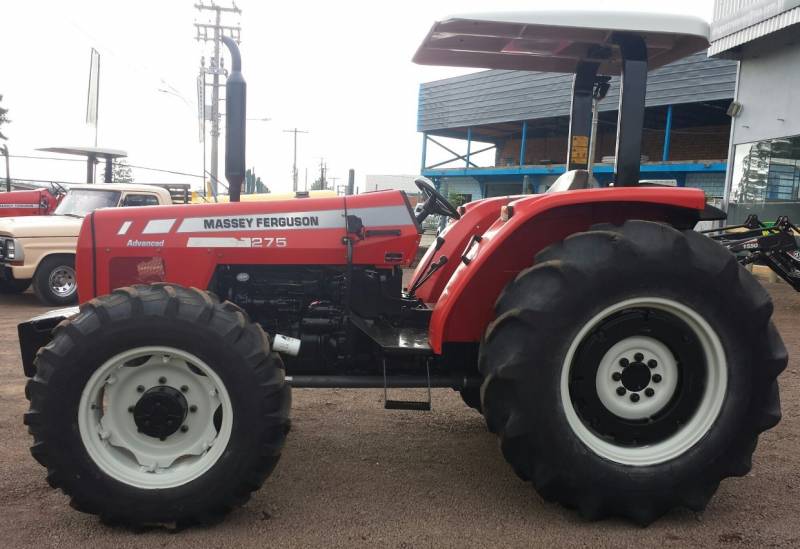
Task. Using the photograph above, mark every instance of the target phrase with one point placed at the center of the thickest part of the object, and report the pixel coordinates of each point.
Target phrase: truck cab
(40, 250)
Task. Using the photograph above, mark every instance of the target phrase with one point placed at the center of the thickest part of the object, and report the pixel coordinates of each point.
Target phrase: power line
(174, 172)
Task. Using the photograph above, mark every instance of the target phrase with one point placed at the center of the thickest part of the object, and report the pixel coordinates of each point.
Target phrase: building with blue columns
(520, 121)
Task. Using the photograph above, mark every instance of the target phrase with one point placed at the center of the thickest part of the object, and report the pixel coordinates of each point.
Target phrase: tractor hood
(40, 226)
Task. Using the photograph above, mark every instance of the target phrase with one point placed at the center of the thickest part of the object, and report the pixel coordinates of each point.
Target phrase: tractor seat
(573, 180)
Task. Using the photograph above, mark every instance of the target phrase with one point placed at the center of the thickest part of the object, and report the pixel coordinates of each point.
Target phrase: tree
(121, 172)
(253, 184)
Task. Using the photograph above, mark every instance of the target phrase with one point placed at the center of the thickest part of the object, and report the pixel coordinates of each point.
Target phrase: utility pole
(214, 32)
(323, 167)
(295, 131)
(333, 184)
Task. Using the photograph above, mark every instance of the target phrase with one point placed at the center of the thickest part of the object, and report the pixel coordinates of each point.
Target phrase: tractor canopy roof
(557, 41)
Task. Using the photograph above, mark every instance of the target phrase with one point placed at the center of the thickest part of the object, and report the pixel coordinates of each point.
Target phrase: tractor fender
(526, 226)
(476, 217)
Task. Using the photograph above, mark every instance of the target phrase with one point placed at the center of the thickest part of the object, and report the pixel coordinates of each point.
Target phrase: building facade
(764, 171)
(523, 118)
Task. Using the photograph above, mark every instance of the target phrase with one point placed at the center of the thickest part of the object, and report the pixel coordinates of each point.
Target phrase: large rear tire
(630, 370)
(158, 404)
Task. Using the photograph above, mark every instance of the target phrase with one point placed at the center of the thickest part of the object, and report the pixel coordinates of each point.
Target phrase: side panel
(466, 305)
(38, 248)
(84, 260)
(24, 203)
(184, 244)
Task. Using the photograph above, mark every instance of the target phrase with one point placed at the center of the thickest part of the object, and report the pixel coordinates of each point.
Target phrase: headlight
(12, 250)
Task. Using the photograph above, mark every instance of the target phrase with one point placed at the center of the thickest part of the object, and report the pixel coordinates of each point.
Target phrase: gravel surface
(353, 474)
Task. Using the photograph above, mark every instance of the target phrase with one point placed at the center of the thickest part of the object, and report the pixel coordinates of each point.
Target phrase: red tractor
(626, 362)
(20, 203)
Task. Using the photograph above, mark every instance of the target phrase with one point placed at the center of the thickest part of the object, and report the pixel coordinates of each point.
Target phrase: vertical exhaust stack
(235, 122)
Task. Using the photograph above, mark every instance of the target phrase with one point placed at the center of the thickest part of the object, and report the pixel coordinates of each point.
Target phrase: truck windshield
(80, 202)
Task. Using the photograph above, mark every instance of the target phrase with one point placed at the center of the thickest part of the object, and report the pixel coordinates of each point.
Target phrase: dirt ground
(353, 474)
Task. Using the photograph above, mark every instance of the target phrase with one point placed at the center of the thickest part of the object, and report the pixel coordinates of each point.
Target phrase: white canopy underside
(555, 41)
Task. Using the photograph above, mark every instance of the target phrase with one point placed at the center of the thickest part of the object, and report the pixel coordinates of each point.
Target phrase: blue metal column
(523, 143)
(667, 135)
(424, 151)
(469, 146)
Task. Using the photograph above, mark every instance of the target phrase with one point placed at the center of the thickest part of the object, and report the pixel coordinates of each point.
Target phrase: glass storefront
(766, 180)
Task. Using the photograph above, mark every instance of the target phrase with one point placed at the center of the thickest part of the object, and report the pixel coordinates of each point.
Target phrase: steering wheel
(434, 201)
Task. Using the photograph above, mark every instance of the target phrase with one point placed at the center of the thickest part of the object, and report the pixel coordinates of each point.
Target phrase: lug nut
(162, 380)
(623, 362)
(184, 428)
(621, 391)
(616, 376)
(634, 397)
(192, 408)
(638, 357)
(184, 388)
(657, 378)
(652, 363)
(649, 391)
(140, 389)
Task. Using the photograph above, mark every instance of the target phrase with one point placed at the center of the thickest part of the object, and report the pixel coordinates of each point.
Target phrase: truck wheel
(14, 286)
(158, 405)
(55, 282)
(631, 369)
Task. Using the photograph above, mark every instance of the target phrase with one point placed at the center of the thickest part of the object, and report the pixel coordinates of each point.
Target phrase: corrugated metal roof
(496, 96)
(785, 19)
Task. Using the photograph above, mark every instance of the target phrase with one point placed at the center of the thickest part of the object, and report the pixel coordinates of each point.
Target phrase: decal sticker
(158, 226)
(330, 219)
(20, 206)
(230, 242)
(124, 228)
(145, 243)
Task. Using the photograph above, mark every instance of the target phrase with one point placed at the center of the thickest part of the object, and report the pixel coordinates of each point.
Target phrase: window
(81, 202)
(140, 200)
(766, 180)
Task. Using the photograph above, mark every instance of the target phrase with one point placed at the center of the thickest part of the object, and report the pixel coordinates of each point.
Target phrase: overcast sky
(340, 70)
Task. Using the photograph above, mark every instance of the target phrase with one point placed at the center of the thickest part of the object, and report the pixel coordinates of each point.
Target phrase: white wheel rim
(716, 378)
(62, 281)
(109, 433)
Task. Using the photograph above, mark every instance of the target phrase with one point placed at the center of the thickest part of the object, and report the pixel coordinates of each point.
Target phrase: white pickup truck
(40, 250)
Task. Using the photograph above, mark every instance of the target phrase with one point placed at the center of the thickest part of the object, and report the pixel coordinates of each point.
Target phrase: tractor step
(419, 405)
(416, 405)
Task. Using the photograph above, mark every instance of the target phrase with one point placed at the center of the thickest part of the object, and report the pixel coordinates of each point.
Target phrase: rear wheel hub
(636, 376)
(160, 412)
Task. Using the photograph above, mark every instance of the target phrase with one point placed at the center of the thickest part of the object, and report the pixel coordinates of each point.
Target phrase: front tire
(158, 404)
(55, 282)
(631, 369)
(10, 287)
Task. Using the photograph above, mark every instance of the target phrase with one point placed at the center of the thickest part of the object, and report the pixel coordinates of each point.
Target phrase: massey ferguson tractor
(626, 362)
(19, 203)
